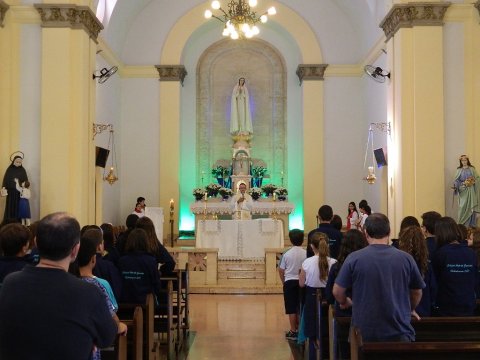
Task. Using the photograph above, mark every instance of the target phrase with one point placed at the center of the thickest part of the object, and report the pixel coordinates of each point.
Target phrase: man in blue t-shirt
(386, 286)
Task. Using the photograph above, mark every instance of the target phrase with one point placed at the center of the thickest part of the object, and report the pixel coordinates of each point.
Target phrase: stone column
(414, 35)
(67, 162)
(311, 79)
(171, 80)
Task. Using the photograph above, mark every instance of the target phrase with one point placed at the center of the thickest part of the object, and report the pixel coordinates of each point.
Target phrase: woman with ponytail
(313, 276)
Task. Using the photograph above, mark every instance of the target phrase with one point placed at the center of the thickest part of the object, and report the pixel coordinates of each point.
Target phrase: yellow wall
(313, 151)
(417, 106)
(67, 152)
(169, 142)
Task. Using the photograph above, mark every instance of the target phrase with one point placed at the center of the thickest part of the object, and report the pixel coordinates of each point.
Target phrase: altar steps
(239, 277)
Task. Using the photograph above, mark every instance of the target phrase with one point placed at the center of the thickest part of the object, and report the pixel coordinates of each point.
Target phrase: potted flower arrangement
(222, 174)
(269, 189)
(257, 175)
(212, 189)
(225, 193)
(199, 193)
(255, 193)
(281, 193)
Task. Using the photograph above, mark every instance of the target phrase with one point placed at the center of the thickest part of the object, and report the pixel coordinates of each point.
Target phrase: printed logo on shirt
(459, 268)
(132, 275)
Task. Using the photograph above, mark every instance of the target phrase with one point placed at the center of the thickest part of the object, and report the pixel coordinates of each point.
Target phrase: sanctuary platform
(209, 275)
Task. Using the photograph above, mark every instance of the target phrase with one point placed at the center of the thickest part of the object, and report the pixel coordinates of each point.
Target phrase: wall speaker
(101, 156)
(380, 157)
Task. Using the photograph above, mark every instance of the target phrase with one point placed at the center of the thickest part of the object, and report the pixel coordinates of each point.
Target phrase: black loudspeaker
(380, 157)
(101, 156)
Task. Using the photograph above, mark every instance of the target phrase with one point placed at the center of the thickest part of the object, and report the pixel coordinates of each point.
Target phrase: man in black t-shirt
(47, 313)
(325, 215)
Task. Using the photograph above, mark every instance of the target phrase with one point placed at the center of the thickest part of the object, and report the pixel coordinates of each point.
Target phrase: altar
(240, 239)
(262, 208)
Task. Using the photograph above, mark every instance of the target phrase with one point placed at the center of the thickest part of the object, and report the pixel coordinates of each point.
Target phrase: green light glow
(296, 221)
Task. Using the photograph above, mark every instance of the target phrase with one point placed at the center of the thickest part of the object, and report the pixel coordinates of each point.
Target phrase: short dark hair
(377, 226)
(57, 234)
(429, 220)
(88, 246)
(131, 221)
(89, 227)
(337, 222)
(140, 199)
(325, 213)
(362, 204)
(296, 237)
(446, 231)
(137, 241)
(13, 237)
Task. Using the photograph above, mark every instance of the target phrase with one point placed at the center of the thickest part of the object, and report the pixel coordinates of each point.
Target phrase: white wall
(455, 130)
(30, 84)
(140, 130)
(108, 111)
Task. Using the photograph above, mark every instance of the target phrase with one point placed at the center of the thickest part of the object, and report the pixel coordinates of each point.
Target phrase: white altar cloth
(240, 239)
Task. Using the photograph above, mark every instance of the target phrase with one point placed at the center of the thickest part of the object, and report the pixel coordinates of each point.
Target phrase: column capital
(311, 72)
(3, 10)
(477, 5)
(413, 14)
(70, 16)
(172, 72)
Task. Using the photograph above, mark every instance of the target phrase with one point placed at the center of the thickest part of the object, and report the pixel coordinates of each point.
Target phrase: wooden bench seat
(438, 350)
(148, 310)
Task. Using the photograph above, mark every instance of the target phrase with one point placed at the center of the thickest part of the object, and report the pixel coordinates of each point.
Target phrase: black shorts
(291, 296)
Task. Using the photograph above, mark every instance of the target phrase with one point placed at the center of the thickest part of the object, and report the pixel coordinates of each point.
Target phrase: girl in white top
(313, 276)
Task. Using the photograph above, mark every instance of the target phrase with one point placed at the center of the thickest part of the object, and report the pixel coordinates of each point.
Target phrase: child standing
(289, 268)
(24, 204)
(313, 276)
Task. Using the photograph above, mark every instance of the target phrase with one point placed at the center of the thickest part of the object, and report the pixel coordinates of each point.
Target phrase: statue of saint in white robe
(241, 118)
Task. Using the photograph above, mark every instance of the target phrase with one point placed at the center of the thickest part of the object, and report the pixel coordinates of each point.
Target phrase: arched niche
(218, 71)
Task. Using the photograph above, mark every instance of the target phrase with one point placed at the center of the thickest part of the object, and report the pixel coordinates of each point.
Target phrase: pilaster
(416, 109)
(171, 79)
(67, 160)
(311, 77)
(9, 87)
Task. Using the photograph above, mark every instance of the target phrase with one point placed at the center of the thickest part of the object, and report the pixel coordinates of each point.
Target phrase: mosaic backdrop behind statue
(219, 69)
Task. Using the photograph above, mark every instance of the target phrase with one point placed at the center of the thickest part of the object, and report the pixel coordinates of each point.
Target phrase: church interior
(331, 84)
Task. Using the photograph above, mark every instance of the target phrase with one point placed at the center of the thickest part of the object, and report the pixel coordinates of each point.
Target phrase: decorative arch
(286, 17)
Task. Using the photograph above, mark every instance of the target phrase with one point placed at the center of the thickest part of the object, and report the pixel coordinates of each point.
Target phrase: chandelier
(240, 21)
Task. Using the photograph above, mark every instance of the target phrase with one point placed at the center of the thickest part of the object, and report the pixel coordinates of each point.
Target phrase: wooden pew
(432, 329)
(181, 307)
(134, 333)
(411, 350)
(149, 344)
(164, 326)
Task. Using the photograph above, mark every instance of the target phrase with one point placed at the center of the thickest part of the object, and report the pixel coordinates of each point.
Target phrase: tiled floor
(238, 327)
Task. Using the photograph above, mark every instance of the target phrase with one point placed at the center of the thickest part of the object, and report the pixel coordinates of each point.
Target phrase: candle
(171, 204)
(370, 170)
(205, 196)
(274, 196)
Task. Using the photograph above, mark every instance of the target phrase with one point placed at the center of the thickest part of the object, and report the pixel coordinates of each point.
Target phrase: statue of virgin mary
(241, 118)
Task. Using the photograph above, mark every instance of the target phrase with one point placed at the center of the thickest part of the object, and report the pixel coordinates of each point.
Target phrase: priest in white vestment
(242, 204)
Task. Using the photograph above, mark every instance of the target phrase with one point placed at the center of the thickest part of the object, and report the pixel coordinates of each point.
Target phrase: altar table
(263, 208)
(240, 239)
